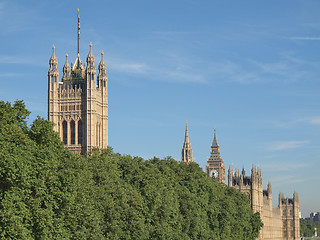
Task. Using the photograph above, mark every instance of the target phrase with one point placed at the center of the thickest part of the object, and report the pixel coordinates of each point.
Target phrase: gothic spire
(53, 59)
(186, 139)
(102, 64)
(187, 155)
(215, 142)
(90, 58)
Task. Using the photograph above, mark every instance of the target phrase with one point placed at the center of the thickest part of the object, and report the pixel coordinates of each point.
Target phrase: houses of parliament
(281, 222)
(78, 105)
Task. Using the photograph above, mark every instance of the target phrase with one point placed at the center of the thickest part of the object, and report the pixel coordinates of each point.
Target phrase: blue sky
(250, 68)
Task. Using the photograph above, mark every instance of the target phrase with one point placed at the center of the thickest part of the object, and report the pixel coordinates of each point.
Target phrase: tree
(47, 192)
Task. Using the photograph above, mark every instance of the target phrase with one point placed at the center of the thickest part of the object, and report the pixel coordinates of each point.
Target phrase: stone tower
(78, 104)
(187, 156)
(250, 185)
(289, 210)
(215, 165)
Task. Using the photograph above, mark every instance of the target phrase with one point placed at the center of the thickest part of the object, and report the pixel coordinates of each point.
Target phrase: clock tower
(215, 165)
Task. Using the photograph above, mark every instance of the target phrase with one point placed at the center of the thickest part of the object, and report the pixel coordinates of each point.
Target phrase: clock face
(214, 173)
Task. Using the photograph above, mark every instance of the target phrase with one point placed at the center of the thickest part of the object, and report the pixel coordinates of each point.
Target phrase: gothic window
(65, 132)
(73, 132)
(97, 83)
(80, 132)
(104, 83)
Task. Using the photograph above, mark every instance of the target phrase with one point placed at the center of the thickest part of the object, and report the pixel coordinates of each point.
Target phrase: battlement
(237, 178)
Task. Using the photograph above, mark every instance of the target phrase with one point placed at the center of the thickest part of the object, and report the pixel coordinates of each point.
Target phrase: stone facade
(280, 223)
(78, 104)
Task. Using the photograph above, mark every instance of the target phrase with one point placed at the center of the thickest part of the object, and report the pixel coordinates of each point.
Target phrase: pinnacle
(53, 57)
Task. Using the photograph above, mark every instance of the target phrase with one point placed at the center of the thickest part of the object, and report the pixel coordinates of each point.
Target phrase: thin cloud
(25, 60)
(231, 71)
(138, 68)
(306, 38)
(284, 145)
(285, 180)
(10, 74)
(282, 166)
(176, 69)
(315, 120)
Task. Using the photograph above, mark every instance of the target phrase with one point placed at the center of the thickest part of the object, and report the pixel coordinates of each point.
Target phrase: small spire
(53, 53)
(66, 67)
(102, 65)
(67, 59)
(102, 60)
(90, 57)
(53, 61)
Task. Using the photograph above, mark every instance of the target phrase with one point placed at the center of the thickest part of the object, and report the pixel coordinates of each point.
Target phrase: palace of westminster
(78, 105)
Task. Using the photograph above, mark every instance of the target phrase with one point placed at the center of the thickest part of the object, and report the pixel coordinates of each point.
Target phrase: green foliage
(46, 192)
(307, 227)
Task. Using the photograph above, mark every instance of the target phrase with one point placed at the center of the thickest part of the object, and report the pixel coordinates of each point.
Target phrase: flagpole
(78, 30)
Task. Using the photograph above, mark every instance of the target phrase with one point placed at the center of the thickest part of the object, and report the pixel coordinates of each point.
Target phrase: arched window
(65, 132)
(98, 135)
(80, 132)
(73, 132)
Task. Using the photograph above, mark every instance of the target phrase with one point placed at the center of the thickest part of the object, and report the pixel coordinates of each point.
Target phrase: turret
(94, 126)
(53, 86)
(102, 81)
